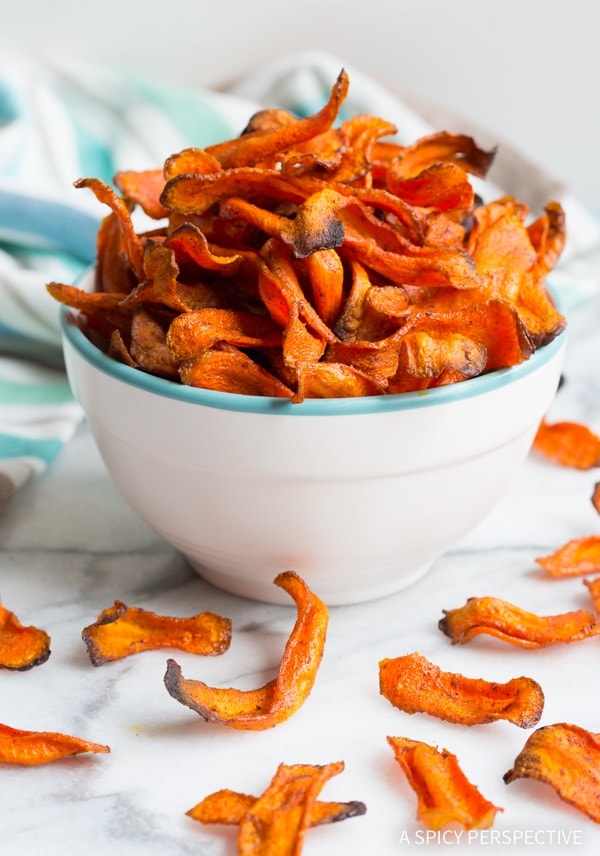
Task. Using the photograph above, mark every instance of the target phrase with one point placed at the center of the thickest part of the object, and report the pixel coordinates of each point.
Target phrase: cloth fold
(62, 120)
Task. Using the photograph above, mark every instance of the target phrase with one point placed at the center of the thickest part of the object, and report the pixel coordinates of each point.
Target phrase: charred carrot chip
(193, 332)
(231, 370)
(258, 145)
(503, 620)
(566, 757)
(444, 794)
(230, 807)
(277, 700)
(131, 240)
(414, 685)
(570, 444)
(121, 630)
(577, 557)
(281, 816)
(21, 648)
(148, 346)
(30, 748)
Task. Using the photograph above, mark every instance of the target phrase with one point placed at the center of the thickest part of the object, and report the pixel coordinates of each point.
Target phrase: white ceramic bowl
(359, 496)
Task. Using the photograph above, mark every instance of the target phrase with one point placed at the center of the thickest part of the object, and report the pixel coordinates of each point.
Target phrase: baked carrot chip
(281, 697)
(31, 748)
(122, 630)
(577, 557)
(21, 648)
(503, 620)
(231, 807)
(277, 821)
(570, 444)
(414, 685)
(596, 497)
(444, 794)
(566, 757)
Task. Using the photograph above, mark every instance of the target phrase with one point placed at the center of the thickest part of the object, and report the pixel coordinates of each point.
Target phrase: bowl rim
(369, 405)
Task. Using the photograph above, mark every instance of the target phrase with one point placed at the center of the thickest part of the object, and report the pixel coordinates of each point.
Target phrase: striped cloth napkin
(61, 120)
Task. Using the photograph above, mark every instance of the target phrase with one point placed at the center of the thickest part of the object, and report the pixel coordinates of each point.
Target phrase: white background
(527, 70)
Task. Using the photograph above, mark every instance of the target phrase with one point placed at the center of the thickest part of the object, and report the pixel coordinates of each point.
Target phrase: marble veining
(70, 547)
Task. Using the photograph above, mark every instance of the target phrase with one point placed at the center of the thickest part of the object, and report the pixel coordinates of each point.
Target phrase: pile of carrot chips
(444, 794)
(281, 697)
(21, 647)
(414, 685)
(122, 630)
(277, 821)
(495, 617)
(314, 258)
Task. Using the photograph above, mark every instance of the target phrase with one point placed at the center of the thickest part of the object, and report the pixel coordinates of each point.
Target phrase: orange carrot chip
(444, 794)
(503, 620)
(277, 821)
(121, 630)
(414, 685)
(566, 757)
(570, 444)
(596, 497)
(281, 697)
(230, 807)
(577, 557)
(21, 647)
(30, 748)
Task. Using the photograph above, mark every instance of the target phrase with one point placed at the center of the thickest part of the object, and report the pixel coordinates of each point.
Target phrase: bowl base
(331, 591)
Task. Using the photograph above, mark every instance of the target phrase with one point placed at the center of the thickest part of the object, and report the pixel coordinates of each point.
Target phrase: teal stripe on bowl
(12, 446)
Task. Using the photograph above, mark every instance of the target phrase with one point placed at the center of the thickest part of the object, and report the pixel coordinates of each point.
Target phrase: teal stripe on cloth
(12, 392)
(198, 121)
(45, 449)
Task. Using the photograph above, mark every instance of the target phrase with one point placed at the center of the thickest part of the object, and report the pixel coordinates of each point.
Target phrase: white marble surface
(70, 547)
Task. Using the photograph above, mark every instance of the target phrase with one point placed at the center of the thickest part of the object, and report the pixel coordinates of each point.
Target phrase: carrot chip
(566, 757)
(444, 794)
(596, 497)
(570, 444)
(414, 685)
(122, 630)
(21, 648)
(575, 558)
(277, 821)
(31, 748)
(278, 699)
(503, 620)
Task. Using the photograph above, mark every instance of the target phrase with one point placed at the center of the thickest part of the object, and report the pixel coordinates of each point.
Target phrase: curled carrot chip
(444, 794)
(577, 557)
(570, 444)
(21, 648)
(230, 807)
(30, 748)
(414, 685)
(503, 620)
(122, 630)
(566, 757)
(277, 700)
